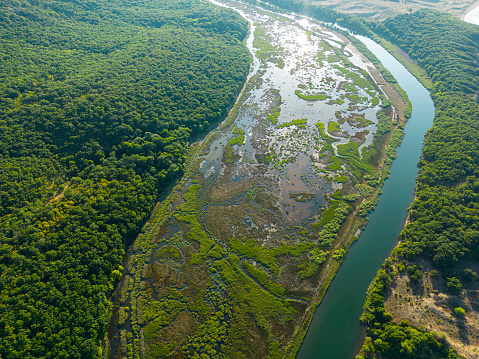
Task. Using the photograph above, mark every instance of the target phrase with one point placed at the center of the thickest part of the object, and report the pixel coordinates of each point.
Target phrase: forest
(99, 101)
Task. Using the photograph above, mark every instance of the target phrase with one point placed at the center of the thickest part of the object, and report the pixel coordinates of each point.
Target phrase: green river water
(335, 331)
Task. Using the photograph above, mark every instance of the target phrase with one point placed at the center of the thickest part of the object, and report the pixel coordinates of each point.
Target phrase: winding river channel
(335, 332)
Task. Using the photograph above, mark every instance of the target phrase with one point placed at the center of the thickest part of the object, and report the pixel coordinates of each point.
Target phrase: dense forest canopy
(98, 101)
(442, 44)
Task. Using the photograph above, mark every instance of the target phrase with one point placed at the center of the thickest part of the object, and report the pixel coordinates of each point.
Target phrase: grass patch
(273, 116)
(238, 140)
(333, 126)
(317, 97)
(169, 252)
(264, 279)
(324, 135)
(301, 123)
(341, 179)
(361, 168)
(338, 101)
(187, 214)
(334, 164)
(349, 149)
(262, 306)
(265, 255)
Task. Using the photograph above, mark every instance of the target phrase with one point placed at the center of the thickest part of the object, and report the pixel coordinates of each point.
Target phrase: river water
(335, 332)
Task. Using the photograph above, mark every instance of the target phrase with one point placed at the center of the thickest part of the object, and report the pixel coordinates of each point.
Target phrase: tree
(453, 285)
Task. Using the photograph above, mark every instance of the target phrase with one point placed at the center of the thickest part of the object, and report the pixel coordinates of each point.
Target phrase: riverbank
(423, 294)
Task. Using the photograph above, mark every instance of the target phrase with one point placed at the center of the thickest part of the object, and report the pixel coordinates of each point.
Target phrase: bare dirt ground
(427, 304)
(379, 10)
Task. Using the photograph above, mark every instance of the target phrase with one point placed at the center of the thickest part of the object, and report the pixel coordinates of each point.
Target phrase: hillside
(98, 102)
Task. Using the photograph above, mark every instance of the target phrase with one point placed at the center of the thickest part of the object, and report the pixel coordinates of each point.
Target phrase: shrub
(460, 312)
(453, 285)
(468, 275)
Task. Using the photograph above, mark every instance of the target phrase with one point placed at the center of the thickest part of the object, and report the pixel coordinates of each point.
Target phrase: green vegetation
(260, 304)
(384, 123)
(460, 312)
(318, 256)
(349, 149)
(453, 285)
(309, 97)
(335, 164)
(407, 112)
(412, 66)
(391, 339)
(267, 256)
(187, 214)
(367, 206)
(369, 54)
(445, 51)
(238, 140)
(301, 123)
(267, 51)
(331, 222)
(361, 169)
(264, 279)
(351, 197)
(341, 179)
(339, 254)
(333, 126)
(324, 135)
(169, 252)
(98, 102)
(468, 275)
(273, 116)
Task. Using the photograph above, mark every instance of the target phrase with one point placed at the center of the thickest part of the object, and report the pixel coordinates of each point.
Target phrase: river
(335, 331)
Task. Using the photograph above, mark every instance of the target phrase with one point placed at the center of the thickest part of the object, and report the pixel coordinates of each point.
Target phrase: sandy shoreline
(469, 10)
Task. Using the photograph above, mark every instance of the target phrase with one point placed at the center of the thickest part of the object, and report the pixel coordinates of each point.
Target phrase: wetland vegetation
(263, 216)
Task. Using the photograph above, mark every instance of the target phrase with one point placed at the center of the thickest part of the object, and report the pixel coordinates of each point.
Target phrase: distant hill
(381, 9)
